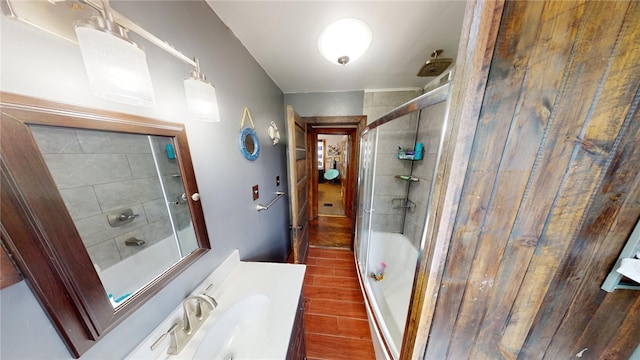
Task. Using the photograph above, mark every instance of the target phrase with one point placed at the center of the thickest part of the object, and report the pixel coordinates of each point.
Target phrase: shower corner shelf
(401, 203)
(413, 155)
(407, 178)
(404, 156)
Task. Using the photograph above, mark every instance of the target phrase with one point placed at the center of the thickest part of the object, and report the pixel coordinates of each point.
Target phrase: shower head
(435, 66)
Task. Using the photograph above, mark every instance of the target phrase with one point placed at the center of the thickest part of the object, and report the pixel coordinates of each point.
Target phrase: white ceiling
(283, 36)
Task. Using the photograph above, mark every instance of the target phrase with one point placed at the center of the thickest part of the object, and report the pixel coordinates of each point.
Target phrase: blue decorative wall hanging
(248, 140)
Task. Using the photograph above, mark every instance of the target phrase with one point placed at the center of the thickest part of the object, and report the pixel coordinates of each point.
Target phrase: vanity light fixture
(116, 66)
(344, 41)
(201, 96)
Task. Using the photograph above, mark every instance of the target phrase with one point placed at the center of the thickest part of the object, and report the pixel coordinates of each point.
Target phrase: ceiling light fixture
(344, 41)
(116, 66)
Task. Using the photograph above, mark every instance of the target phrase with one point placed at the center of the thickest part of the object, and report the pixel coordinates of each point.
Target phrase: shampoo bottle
(170, 152)
(418, 152)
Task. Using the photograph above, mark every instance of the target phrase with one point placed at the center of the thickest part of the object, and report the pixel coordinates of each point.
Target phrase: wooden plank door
(298, 169)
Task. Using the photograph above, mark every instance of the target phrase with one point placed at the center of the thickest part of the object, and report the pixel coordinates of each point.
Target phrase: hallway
(336, 323)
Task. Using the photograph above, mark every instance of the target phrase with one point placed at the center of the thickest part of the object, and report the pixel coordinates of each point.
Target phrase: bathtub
(388, 299)
(134, 272)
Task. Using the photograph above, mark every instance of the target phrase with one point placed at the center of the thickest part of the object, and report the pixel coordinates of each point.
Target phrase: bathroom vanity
(260, 314)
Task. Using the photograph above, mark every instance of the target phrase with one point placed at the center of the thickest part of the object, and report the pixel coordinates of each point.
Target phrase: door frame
(348, 178)
(335, 125)
(298, 174)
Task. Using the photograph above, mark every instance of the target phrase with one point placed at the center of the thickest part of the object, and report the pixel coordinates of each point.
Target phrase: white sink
(257, 305)
(241, 332)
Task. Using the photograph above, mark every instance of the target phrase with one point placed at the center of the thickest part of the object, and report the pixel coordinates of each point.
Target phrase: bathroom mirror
(125, 195)
(95, 203)
(249, 144)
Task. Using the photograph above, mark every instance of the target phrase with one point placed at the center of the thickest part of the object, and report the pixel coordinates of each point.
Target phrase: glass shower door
(174, 194)
(365, 196)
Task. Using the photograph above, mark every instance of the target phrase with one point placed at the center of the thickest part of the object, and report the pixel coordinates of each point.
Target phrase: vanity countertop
(233, 281)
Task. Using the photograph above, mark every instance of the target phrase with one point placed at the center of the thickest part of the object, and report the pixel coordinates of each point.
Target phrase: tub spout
(134, 242)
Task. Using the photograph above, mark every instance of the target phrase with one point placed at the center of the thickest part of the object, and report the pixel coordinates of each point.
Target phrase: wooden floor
(336, 325)
(329, 231)
(330, 200)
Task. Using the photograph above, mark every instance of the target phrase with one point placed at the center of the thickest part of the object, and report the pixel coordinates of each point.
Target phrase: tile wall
(388, 215)
(99, 172)
(389, 192)
(397, 133)
(429, 132)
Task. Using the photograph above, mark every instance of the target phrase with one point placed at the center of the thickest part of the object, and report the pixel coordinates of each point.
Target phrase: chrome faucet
(193, 317)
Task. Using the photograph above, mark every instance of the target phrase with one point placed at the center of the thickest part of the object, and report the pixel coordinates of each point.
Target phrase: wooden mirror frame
(41, 235)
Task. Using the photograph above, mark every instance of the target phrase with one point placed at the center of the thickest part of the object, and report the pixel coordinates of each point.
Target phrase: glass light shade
(201, 100)
(344, 38)
(117, 68)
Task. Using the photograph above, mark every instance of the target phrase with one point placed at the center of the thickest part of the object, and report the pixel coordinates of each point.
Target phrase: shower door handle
(369, 211)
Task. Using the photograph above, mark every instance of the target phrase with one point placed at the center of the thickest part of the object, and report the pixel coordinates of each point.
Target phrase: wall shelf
(401, 203)
(406, 154)
(407, 178)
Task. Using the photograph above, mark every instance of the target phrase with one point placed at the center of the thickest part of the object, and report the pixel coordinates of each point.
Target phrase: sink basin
(240, 332)
(258, 303)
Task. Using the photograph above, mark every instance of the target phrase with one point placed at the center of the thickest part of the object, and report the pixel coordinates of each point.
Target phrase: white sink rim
(243, 326)
(231, 281)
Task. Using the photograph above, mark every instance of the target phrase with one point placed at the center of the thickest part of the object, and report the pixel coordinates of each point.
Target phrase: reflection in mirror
(125, 195)
(248, 143)
(123, 192)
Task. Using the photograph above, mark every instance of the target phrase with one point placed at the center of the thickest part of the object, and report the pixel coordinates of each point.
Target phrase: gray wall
(38, 64)
(326, 104)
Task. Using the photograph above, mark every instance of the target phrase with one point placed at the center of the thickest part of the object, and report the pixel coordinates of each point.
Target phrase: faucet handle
(211, 299)
(205, 293)
(156, 344)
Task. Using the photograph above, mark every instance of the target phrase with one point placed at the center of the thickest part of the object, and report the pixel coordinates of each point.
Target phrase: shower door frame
(435, 96)
(475, 52)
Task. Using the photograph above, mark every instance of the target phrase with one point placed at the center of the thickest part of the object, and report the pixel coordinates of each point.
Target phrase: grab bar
(279, 194)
